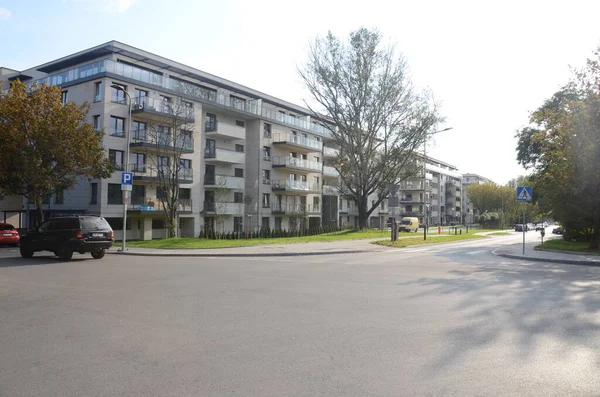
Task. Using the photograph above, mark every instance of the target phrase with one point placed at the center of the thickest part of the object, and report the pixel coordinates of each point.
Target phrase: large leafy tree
(46, 145)
(379, 118)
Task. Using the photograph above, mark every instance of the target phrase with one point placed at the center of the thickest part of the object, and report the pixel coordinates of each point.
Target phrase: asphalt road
(449, 320)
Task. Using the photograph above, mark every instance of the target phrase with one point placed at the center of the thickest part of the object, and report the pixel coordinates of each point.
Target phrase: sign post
(126, 186)
(392, 204)
(524, 194)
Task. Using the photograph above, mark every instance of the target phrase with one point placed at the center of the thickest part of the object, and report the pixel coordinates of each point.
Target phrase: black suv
(68, 234)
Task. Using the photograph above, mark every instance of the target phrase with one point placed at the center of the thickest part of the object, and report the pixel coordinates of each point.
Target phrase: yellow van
(409, 225)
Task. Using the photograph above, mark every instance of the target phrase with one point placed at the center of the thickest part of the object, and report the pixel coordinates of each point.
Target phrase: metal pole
(126, 192)
(425, 186)
(524, 226)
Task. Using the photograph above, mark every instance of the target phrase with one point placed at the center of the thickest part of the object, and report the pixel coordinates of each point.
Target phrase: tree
(222, 193)
(170, 133)
(485, 197)
(379, 119)
(46, 145)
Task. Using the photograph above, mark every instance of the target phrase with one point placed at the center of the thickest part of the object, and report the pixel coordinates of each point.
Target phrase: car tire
(64, 253)
(26, 252)
(98, 254)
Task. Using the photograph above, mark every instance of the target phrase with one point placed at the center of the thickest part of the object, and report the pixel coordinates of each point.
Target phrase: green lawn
(206, 243)
(431, 239)
(562, 245)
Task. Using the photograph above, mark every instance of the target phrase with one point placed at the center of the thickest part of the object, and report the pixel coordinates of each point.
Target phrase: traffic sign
(128, 188)
(393, 188)
(126, 178)
(393, 201)
(524, 193)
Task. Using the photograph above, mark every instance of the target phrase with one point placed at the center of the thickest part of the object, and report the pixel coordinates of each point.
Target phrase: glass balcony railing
(293, 162)
(166, 140)
(154, 105)
(116, 132)
(298, 140)
(187, 88)
(285, 184)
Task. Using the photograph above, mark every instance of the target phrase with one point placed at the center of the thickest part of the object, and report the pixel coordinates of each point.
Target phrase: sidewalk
(515, 251)
(324, 248)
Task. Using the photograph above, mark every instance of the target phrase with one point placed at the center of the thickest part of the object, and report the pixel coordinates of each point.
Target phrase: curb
(236, 255)
(564, 252)
(549, 260)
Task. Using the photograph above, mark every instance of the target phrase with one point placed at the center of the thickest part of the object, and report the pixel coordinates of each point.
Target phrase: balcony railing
(330, 171)
(142, 171)
(331, 190)
(118, 166)
(298, 140)
(215, 128)
(293, 162)
(150, 204)
(301, 186)
(159, 139)
(330, 152)
(224, 181)
(146, 104)
(297, 209)
(224, 155)
(225, 208)
(116, 132)
(186, 88)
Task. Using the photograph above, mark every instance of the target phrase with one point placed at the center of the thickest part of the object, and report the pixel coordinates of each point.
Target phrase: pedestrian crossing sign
(524, 193)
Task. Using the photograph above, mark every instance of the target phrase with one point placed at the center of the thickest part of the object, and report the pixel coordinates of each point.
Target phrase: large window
(117, 126)
(98, 91)
(138, 162)
(185, 163)
(114, 195)
(139, 130)
(210, 123)
(267, 130)
(239, 172)
(140, 93)
(96, 122)
(117, 95)
(64, 97)
(239, 148)
(116, 158)
(238, 224)
(266, 153)
(238, 197)
(266, 177)
(266, 224)
(266, 202)
(94, 193)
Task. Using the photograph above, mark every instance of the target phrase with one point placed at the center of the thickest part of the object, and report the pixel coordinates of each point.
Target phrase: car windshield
(405, 223)
(94, 223)
(7, 227)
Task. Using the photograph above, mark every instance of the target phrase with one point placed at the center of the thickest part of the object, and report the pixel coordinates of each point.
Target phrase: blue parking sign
(127, 178)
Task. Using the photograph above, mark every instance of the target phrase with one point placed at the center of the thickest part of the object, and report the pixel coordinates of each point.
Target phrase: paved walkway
(323, 248)
(515, 251)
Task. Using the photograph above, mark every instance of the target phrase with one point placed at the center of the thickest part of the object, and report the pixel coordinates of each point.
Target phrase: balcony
(223, 208)
(331, 190)
(161, 109)
(224, 131)
(297, 143)
(116, 132)
(294, 186)
(329, 171)
(294, 163)
(331, 152)
(162, 141)
(349, 210)
(223, 182)
(225, 156)
(143, 173)
(296, 209)
(409, 201)
(149, 205)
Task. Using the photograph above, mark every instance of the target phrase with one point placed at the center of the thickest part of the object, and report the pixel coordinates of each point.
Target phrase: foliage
(46, 145)
(562, 245)
(379, 119)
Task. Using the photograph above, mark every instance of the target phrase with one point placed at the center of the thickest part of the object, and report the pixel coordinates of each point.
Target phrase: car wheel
(65, 253)
(26, 252)
(98, 254)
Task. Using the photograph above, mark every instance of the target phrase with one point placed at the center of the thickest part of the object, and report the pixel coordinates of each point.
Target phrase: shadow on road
(17, 261)
(524, 305)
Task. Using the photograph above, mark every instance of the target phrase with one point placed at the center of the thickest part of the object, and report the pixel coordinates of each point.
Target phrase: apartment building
(248, 160)
(434, 196)
(468, 211)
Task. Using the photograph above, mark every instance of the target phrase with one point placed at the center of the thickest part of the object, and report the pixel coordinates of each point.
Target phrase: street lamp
(425, 177)
(125, 192)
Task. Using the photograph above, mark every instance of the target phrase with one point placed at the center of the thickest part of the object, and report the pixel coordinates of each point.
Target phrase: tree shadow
(17, 261)
(522, 304)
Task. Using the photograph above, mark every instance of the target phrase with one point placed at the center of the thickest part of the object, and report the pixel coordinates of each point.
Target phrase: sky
(488, 63)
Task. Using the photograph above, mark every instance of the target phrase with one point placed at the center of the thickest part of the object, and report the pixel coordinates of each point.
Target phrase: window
(96, 122)
(238, 197)
(46, 199)
(239, 172)
(240, 123)
(158, 224)
(139, 131)
(266, 153)
(162, 193)
(238, 224)
(266, 177)
(239, 148)
(138, 162)
(164, 135)
(94, 193)
(162, 163)
(267, 130)
(266, 201)
(140, 93)
(117, 95)
(210, 150)
(185, 194)
(114, 195)
(277, 223)
(116, 158)
(117, 126)
(237, 102)
(316, 180)
(185, 163)
(317, 159)
(210, 123)
(60, 198)
(265, 222)
(409, 208)
(98, 91)
(64, 96)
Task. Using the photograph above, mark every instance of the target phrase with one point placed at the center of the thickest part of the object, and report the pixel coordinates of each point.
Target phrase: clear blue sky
(488, 63)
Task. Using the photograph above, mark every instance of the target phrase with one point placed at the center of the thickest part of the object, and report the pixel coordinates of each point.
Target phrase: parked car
(68, 234)
(541, 226)
(8, 234)
(518, 227)
(530, 226)
(557, 230)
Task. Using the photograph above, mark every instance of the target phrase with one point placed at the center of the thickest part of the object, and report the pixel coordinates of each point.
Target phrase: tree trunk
(595, 241)
(39, 212)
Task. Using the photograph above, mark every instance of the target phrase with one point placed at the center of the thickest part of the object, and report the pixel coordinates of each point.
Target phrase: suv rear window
(7, 227)
(93, 223)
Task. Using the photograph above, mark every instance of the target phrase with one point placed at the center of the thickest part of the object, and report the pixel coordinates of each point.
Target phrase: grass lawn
(206, 243)
(562, 245)
(431, 239)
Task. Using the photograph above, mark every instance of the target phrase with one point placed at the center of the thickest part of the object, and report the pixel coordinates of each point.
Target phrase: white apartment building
(249, 160)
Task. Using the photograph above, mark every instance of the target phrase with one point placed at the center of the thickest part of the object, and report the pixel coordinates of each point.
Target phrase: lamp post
(425, 179)
(125, 192)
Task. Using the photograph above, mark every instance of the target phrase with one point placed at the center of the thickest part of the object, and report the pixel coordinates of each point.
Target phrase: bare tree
(171, 135)
(221, 195)
(379, 119)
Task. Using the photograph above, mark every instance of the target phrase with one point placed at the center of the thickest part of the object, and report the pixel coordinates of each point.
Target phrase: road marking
(475, 252)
